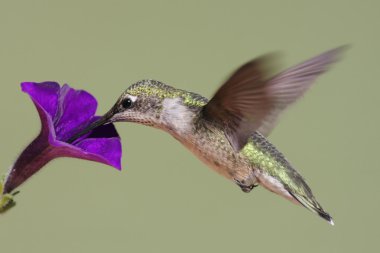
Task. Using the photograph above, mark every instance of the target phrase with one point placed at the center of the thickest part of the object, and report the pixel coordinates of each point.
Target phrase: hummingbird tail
(313, 206)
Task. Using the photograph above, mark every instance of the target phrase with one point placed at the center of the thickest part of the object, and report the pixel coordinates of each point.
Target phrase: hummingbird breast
(206, 141)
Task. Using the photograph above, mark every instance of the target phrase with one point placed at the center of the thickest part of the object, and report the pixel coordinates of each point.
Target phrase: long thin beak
(102, 121)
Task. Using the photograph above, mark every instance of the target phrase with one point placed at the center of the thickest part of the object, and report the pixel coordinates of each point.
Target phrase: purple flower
(63, 112)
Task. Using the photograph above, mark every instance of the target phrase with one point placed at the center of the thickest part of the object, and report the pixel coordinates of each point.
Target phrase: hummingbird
(229, 131)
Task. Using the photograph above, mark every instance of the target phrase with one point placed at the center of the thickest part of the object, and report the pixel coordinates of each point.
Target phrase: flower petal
(63, 112)
(104, 150)
(45, 94)
(101, 145)
(75, 108)
(107, 149)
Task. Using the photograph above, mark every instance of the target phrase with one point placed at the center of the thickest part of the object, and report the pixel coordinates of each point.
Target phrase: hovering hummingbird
(228, 132)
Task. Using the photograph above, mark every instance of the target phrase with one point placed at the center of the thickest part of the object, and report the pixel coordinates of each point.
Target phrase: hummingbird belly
(258, 162)
(213, 148)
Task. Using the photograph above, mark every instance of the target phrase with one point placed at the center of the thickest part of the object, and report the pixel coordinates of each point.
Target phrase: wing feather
(251, 100)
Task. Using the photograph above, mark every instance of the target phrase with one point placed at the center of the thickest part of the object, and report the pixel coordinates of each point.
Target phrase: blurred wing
(291, 84)
(242, 101)
(250, 101)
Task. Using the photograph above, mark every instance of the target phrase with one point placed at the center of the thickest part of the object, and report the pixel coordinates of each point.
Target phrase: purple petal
(104, 150)
(45, 94)
(75, 109)
(63, 111)
(108, 149)
(101, 145)
(104, 142)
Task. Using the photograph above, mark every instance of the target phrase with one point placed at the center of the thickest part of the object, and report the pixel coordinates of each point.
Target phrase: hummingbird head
(145, 102)
(140, 103)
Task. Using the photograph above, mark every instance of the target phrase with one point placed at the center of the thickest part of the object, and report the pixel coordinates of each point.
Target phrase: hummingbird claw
(245, 188)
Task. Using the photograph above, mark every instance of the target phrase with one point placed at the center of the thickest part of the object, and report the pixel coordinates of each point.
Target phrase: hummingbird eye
(127, 103)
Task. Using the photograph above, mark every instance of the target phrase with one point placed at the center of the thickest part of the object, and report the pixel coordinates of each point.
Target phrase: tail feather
(313, 206)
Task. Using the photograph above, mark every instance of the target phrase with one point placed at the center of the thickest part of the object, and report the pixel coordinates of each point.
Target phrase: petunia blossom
(63, 111)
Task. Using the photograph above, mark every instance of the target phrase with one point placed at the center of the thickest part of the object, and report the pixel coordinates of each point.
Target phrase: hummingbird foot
(244, 187)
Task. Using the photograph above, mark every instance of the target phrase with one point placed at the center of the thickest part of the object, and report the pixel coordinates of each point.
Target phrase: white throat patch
(176, 116)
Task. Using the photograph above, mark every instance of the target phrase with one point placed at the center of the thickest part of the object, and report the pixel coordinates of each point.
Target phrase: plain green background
(165, 200)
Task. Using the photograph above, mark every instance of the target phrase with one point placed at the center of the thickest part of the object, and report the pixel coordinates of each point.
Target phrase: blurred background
(165, 200)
